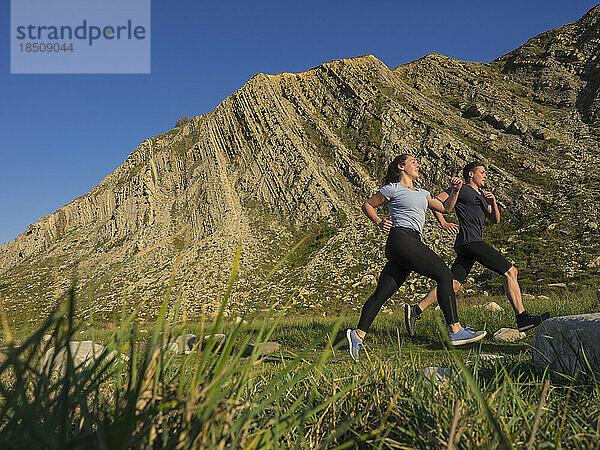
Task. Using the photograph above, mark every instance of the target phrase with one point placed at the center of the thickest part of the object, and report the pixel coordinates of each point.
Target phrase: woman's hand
(455, 183)
(385, 224)
(449, 198)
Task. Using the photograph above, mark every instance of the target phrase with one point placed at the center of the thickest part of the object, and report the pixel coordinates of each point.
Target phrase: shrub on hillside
(182, 120)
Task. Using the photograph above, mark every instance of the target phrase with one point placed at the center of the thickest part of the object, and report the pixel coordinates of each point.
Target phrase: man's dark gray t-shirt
(470, 209)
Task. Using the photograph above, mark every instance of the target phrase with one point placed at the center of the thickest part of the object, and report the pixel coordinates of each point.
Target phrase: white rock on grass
(508, 335)
(187, 342)
(441, 375)
(172, 347)
(83, 353)
(492, 307)
(182, 344)
(567, 344)
(369, 279)
(595, 262)
(218, 337)
(487, 357)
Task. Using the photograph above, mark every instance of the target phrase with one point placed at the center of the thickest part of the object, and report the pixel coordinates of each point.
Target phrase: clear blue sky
(61, 134)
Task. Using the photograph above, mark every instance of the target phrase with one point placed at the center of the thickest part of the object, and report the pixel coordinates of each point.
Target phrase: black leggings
(406, 253)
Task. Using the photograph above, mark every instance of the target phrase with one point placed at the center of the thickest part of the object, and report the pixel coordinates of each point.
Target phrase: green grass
(310, 394)
(314, 237)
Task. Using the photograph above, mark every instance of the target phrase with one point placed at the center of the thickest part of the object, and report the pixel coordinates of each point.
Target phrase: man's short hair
(470, 167)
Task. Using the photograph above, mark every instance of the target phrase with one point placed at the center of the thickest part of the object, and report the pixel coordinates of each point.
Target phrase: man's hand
(455, 183)
(450, 227)
(385, 224)
(489, 197)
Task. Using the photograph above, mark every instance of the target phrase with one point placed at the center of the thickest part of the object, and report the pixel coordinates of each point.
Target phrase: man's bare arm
(493, 212)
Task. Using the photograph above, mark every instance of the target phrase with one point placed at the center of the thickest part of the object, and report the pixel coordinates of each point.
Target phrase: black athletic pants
(406, 253)
(487, 256)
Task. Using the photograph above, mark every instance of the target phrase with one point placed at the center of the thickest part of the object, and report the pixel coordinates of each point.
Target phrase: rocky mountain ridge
(292, 156)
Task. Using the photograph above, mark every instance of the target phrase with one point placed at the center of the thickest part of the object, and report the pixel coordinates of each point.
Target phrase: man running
(472, 207)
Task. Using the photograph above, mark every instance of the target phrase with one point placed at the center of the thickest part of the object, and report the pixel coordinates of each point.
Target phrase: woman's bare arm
(369, 206)
(447, 205)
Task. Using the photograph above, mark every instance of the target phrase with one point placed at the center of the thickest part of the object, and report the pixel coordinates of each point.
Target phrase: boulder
(264, 348)
(269, 347)
(566, 343)
(82, 352)
(508, 335)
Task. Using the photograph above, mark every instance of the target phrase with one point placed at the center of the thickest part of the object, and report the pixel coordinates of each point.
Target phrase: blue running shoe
(466, 335)
(354, 343)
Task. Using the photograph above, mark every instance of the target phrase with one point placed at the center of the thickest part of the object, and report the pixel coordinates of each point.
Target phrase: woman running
(405, 252)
